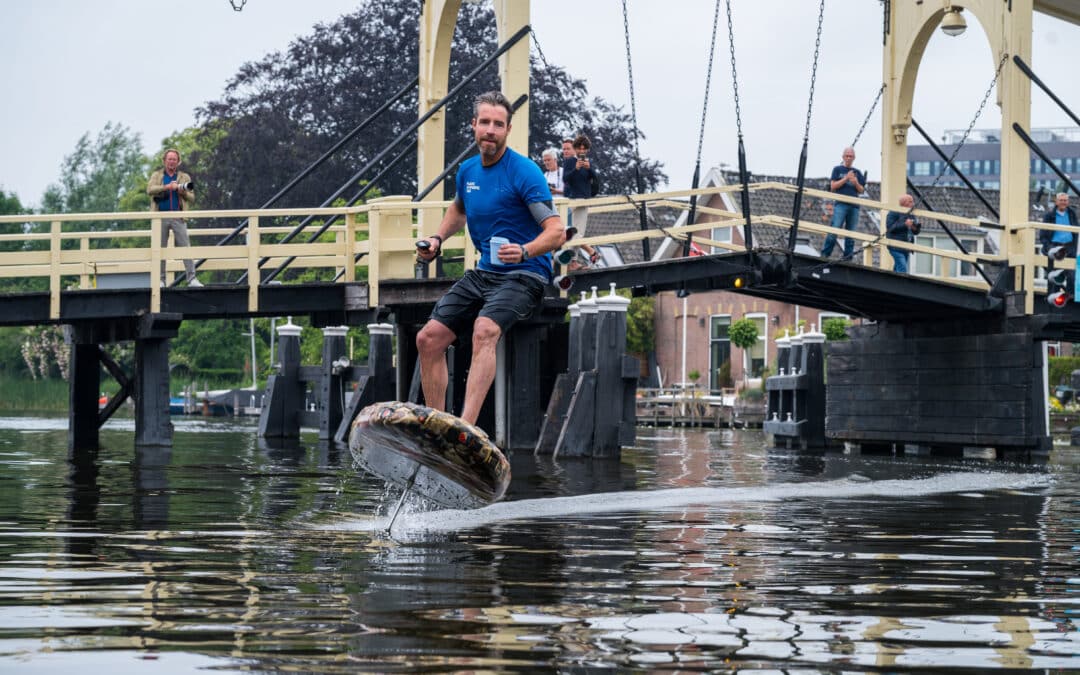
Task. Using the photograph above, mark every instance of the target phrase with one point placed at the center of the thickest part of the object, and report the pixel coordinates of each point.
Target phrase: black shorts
(503, 298)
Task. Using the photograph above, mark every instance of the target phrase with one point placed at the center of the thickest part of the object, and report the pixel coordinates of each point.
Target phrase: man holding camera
(579, 178)
(172, 190)
(902, 226)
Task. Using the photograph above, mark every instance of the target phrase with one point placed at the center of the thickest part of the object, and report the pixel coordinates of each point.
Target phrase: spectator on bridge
(1062, 215)
(567, 149)
(172, 190)
(902, 226)
(828, 206)
(849, 181)
(553, 171)
(503, 199)
(580, 181)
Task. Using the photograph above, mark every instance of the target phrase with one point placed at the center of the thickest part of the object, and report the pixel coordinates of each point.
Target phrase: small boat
(177, 405)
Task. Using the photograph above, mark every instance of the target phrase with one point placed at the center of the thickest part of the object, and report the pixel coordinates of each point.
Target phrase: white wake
(449, 520)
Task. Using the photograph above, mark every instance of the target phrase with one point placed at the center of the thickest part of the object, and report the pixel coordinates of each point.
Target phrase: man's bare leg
(431, 343)
(486, 335)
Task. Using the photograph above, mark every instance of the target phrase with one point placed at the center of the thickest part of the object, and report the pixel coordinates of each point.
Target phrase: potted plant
(744, 335)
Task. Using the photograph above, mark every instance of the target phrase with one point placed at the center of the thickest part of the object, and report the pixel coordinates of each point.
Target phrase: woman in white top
(553, 171)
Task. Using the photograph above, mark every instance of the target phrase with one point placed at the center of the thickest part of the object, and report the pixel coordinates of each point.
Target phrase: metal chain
(708, 81)
(630, 74)
(540, 52)
(868, 115)
(963, 139)
(813, 70)
(956, 151)
(237, 5)
(734, 72)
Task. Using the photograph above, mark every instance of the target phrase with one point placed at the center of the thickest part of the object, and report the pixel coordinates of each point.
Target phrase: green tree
(97, 174)
(279, 114)
(640, 324)
(744, 335)
(835, 328)
(214, 351)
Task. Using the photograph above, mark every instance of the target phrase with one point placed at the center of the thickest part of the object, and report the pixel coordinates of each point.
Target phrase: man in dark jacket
(578, 178)
(1063, 214)
(902, 226)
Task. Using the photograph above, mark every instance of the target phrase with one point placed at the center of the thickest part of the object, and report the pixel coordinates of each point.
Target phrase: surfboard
(435, 453)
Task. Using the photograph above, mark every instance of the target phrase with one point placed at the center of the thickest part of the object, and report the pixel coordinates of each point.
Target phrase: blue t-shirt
(496, 200)
(1059, 236)
(172, 203)
(839, 171)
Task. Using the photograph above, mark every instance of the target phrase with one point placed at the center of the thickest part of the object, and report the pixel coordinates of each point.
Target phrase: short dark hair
(582, 141)
(493, 98)
(568, 140)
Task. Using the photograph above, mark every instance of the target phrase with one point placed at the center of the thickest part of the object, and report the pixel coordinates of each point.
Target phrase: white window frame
(763, 338)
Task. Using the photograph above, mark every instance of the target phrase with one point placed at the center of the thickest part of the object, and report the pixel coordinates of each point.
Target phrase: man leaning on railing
(1065, 242)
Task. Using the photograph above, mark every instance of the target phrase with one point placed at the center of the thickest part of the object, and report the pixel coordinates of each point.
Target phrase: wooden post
(83, 391)
(576, 435)
(610, 346)
(280, 415)
(380, 383)
(155, 265)
(559, 403)
(253, 275)
(331, 396)
(153, 427)
(54, 270)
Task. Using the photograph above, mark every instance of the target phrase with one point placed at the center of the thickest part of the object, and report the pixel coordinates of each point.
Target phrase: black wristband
(435, 236)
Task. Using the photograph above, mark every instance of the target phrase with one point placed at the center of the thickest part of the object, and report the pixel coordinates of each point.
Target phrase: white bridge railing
(376, 241)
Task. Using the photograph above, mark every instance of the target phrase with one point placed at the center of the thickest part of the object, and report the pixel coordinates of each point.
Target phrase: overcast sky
(68, 67)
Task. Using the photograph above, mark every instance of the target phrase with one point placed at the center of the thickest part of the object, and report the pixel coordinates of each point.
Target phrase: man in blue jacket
(1062, 214)
(512, 222)
(902, 226)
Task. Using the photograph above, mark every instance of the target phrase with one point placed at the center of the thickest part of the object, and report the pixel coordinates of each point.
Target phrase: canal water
(699, 551)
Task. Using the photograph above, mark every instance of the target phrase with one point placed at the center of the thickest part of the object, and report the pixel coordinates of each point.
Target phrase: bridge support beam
(84, 387)
(153, 428)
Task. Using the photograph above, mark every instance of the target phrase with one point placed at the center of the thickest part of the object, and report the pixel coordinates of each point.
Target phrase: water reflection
(693, 552)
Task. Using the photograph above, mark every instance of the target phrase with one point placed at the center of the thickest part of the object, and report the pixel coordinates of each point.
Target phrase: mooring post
(83, 391)
(795, 415)
(280, 415)
(380, 383)
(812, 405)
(563, 390)
(587, 336)
(795, 355)
(610, 346)
(779, 399)
(576, 435)
(331, 390)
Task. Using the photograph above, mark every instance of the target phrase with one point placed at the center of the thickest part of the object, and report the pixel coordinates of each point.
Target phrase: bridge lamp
(953, 24)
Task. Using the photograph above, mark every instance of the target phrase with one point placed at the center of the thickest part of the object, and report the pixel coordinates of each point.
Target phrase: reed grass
(22, 394)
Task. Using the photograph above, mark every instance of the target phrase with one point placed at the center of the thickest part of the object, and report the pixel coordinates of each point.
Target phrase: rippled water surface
(696, 552)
